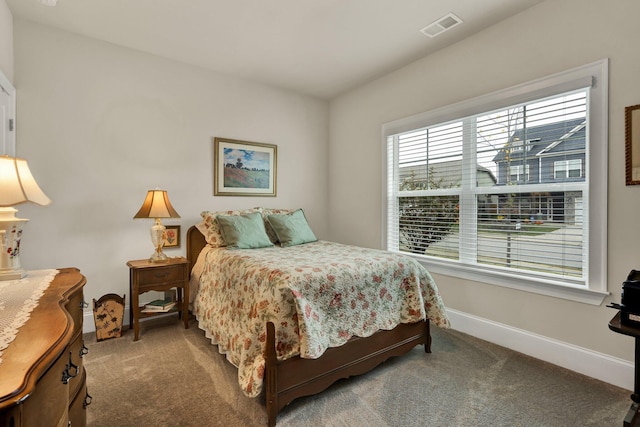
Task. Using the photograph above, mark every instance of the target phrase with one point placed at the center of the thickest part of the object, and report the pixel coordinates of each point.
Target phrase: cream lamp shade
(156, 206)
(17, 185)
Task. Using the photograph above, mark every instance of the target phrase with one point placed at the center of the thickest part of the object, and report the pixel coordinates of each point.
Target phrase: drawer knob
(161, 275)
(70, 371)
(87, 400)
(83, 350)
(65, 375)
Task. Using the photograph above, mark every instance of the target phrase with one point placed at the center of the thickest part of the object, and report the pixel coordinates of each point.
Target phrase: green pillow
(292, 228)
(244, 231)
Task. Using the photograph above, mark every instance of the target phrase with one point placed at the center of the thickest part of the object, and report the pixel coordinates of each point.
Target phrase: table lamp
(155, 206)
(17, 185)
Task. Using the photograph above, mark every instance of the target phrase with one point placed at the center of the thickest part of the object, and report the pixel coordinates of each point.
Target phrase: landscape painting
(243, 168)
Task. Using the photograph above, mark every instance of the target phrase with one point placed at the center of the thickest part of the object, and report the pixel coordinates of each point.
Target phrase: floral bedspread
(318, 295)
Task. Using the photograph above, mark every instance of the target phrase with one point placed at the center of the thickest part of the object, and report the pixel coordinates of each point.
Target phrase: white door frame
(7, 116)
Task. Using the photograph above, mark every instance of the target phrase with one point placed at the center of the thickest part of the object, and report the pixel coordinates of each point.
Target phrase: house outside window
(499, 195)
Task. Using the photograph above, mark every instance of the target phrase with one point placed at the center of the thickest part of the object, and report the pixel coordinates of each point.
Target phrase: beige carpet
(174, 377)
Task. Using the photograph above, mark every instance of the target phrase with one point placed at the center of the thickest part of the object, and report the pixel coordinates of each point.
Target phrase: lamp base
(157, 238)
(10, 235)
(158, 257)
(12, 275)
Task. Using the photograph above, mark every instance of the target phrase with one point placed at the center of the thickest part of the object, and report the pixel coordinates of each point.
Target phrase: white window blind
(505, 190)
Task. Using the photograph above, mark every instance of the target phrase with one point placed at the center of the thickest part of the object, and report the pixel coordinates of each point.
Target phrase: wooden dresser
(42, 377)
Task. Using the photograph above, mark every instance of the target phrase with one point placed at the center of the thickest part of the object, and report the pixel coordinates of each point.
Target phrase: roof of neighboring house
(546, 139)
(448, 174)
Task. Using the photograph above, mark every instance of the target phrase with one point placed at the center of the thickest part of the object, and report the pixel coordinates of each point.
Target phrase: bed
(278, 345)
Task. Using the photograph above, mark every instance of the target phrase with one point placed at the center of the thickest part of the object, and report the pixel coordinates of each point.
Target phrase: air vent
(443, 24)
(48, 2)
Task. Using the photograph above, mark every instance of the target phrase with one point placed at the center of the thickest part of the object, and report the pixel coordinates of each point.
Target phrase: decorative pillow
(292, 228)
(244, 231)
(265, 214)
(210, 228)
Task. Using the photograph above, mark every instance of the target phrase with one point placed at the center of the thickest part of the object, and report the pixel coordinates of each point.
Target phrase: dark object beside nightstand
(632, 418)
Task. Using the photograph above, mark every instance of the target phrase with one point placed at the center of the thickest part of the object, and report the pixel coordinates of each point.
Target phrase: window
(519, 173)
(568, 168)
(509, 188)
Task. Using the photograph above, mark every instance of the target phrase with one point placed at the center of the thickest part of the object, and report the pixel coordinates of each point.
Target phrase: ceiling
(316, 47)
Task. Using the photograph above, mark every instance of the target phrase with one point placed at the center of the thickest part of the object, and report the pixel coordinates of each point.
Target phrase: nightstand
(145, 276)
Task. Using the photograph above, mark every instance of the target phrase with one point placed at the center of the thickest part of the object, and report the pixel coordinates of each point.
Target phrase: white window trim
(594, 75)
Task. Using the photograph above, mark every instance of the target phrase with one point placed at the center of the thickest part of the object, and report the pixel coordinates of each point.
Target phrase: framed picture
(632, 144)
(172, 236)
(242, 168)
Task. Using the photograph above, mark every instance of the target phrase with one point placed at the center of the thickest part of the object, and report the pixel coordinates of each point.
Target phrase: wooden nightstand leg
(185, 311)
(179, 292)
(185, 314)
(130, 300)
(134, 308)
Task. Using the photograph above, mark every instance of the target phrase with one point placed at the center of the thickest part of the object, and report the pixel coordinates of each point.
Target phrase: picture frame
(243, 168)
(172, 236)
(632, 144)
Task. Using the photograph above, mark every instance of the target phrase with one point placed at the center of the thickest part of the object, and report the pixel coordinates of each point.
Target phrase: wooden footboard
(292, 378)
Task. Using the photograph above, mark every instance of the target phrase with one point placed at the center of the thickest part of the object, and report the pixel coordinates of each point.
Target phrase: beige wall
(548, 38)
(6, 40)
(101, 125)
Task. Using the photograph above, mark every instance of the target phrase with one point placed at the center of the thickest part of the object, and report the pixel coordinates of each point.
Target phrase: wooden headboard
(195, 244)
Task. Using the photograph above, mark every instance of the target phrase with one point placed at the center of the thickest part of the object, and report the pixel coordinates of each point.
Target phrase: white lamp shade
(18, 185)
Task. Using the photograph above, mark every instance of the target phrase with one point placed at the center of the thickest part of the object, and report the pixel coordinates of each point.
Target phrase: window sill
(554, 289)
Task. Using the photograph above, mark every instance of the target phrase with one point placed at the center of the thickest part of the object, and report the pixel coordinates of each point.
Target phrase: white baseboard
(600, 366)
(88, 323)
(597, 365)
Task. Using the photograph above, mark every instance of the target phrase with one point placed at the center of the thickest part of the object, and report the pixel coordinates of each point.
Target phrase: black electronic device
(630, 300)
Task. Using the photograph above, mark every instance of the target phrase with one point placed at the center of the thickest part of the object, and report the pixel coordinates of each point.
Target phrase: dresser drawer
(160, 275)
(50, 400)
(75, 356)
(77, 408)
(75, 309)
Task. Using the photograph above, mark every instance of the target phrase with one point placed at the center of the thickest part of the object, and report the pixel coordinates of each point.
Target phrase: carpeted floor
(174, 377)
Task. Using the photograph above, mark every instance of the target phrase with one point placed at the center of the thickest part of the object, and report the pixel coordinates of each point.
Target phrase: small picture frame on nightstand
(172, 236)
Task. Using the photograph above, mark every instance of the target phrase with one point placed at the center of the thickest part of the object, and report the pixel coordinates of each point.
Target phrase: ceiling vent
(443, 24)
(48, 2)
